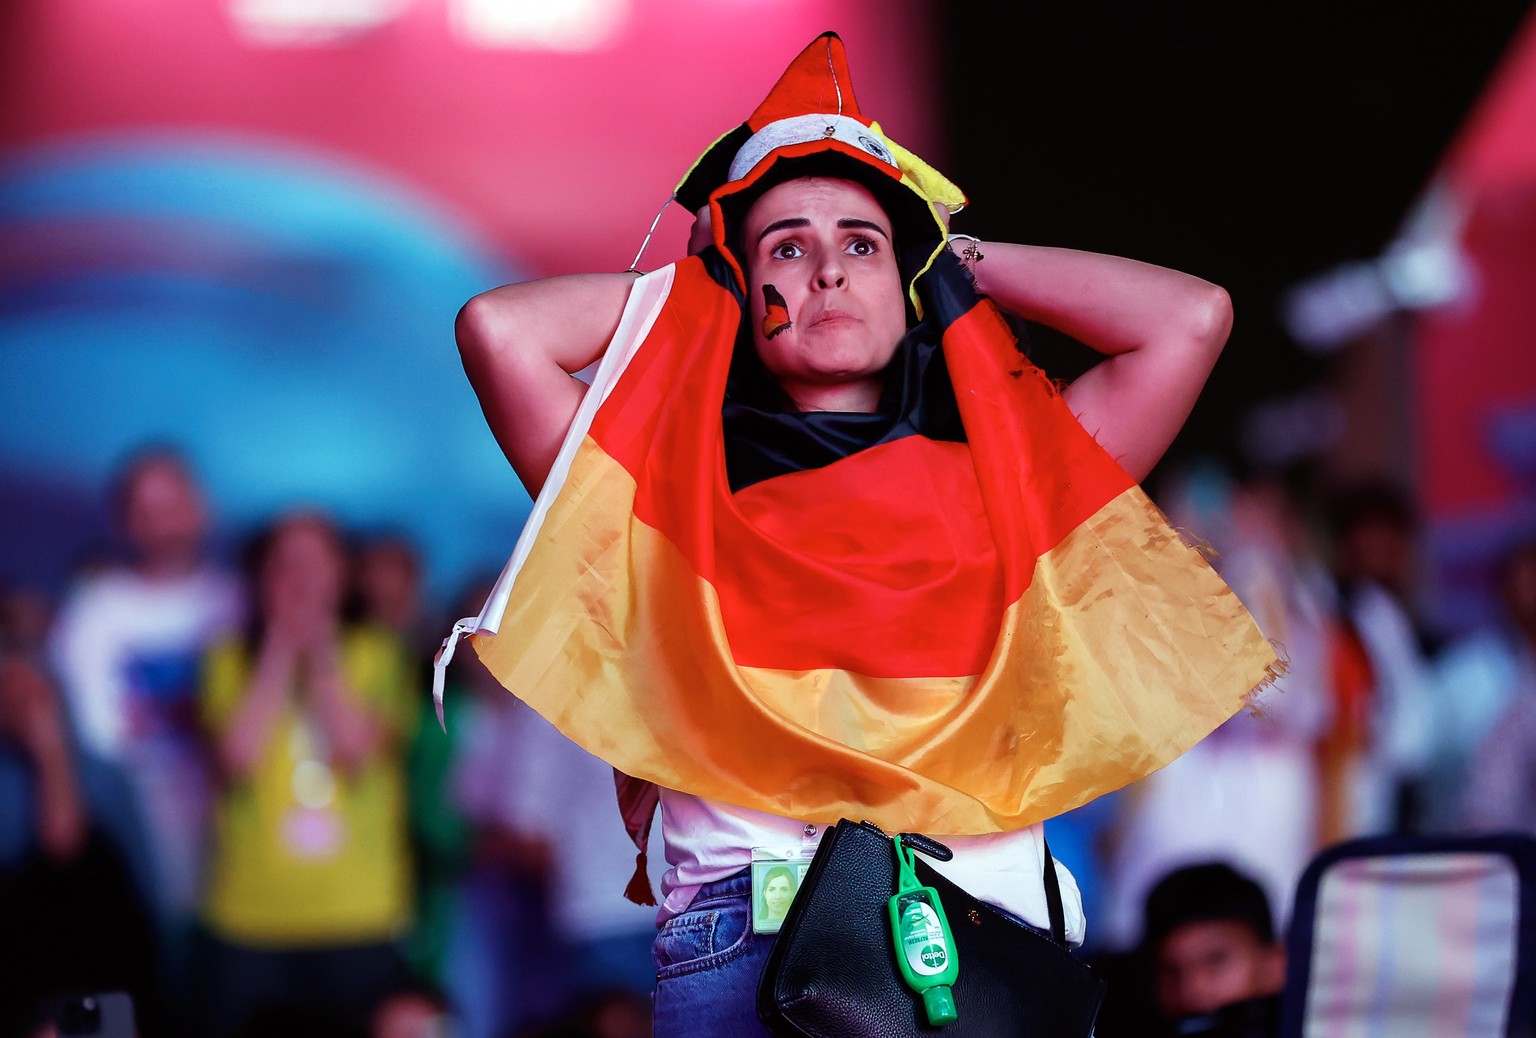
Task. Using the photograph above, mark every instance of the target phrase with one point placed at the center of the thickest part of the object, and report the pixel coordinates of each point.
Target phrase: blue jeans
(708, 962)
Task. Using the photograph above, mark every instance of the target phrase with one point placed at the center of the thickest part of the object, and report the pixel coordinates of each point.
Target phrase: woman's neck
(861, 396)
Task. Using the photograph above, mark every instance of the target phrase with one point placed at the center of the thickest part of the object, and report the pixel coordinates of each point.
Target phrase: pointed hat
(810, 124)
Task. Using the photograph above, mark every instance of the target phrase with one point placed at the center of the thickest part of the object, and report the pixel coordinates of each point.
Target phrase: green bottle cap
(940, 1005)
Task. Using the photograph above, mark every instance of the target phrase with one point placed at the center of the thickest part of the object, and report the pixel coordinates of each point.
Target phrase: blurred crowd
(223, 789)
(1382, 724)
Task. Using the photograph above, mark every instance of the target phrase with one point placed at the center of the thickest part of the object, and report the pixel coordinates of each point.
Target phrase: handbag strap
(1057, 910)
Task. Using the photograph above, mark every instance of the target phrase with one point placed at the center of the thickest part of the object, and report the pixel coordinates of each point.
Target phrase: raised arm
(1161, 331)
(521, 344)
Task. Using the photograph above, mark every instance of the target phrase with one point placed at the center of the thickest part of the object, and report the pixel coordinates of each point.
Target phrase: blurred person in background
(1217, 966)
(442, 835)
(387, 588)
(537, 923)
(36, 731)
(1248, 793)
(504, 967)
(561, 797)
(610, 1014)
(72, 917)
(414, 1011)
(309, 877)
(1373, 758)
(1491, 679)
(386, 597)
(126, 648)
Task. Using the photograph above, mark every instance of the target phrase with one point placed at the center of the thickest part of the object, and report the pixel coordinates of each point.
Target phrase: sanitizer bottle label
(922, 937)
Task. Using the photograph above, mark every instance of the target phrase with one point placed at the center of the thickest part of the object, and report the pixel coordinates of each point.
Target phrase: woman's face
(305, 568)
(777, 895)
(825, 299)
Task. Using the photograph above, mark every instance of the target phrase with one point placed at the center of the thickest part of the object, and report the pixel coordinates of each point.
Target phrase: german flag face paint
(775, 314)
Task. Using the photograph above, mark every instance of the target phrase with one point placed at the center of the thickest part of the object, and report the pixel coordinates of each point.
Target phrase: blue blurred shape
(285, 318)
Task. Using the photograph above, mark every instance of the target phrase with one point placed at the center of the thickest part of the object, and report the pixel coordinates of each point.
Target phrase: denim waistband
(738, 885)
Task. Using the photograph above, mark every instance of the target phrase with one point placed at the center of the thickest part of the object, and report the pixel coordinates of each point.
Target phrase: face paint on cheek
(776, 312)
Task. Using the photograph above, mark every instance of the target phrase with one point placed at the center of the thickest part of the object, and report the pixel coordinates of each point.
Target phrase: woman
(310, 874)
(844, 629)
(778, 891)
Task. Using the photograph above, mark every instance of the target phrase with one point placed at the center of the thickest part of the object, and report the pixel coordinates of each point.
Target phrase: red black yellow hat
(810, 124)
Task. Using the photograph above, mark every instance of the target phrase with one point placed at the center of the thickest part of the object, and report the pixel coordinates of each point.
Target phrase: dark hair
(1207, 893)
(773, 874)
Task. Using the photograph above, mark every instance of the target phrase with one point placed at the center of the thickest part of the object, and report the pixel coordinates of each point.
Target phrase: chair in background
(1415, 937)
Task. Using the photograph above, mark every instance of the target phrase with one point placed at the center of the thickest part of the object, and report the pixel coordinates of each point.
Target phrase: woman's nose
(830, 272)
(830, 277)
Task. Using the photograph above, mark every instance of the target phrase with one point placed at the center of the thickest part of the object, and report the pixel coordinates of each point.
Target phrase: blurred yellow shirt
(303, 854)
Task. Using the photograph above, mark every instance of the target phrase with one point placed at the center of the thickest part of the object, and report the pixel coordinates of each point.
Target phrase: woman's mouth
(830, 317)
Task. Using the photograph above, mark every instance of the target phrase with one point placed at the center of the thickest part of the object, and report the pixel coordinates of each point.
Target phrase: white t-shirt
(707, 841)
(127, 651)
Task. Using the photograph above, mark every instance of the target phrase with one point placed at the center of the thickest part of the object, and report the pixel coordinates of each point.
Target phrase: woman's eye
(786, 250)
(862, 247)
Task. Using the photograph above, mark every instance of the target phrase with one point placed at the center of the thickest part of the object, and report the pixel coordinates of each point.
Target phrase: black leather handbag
(832, 972)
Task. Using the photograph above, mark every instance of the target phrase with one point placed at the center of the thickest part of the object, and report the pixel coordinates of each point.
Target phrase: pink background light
(1478, 357)
(560, 158)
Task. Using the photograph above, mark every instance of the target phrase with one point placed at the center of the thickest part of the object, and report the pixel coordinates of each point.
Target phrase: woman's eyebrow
(783, 225)
(847, 223)
(851, 223)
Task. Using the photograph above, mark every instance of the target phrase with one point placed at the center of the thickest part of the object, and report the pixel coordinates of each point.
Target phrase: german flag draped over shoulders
(957, 626)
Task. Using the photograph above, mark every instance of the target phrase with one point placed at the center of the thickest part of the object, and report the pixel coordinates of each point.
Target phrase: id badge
(776, 879)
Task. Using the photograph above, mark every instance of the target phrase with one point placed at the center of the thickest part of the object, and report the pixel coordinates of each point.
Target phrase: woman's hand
(353, 734)
(290, 611)
(30, 711)
(242, 741)
(321, 645)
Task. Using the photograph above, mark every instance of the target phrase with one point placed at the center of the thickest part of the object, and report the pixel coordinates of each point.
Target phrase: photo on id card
(775, 882)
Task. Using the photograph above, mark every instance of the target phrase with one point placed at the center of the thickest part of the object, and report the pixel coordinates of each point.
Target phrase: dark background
(1253, 144)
